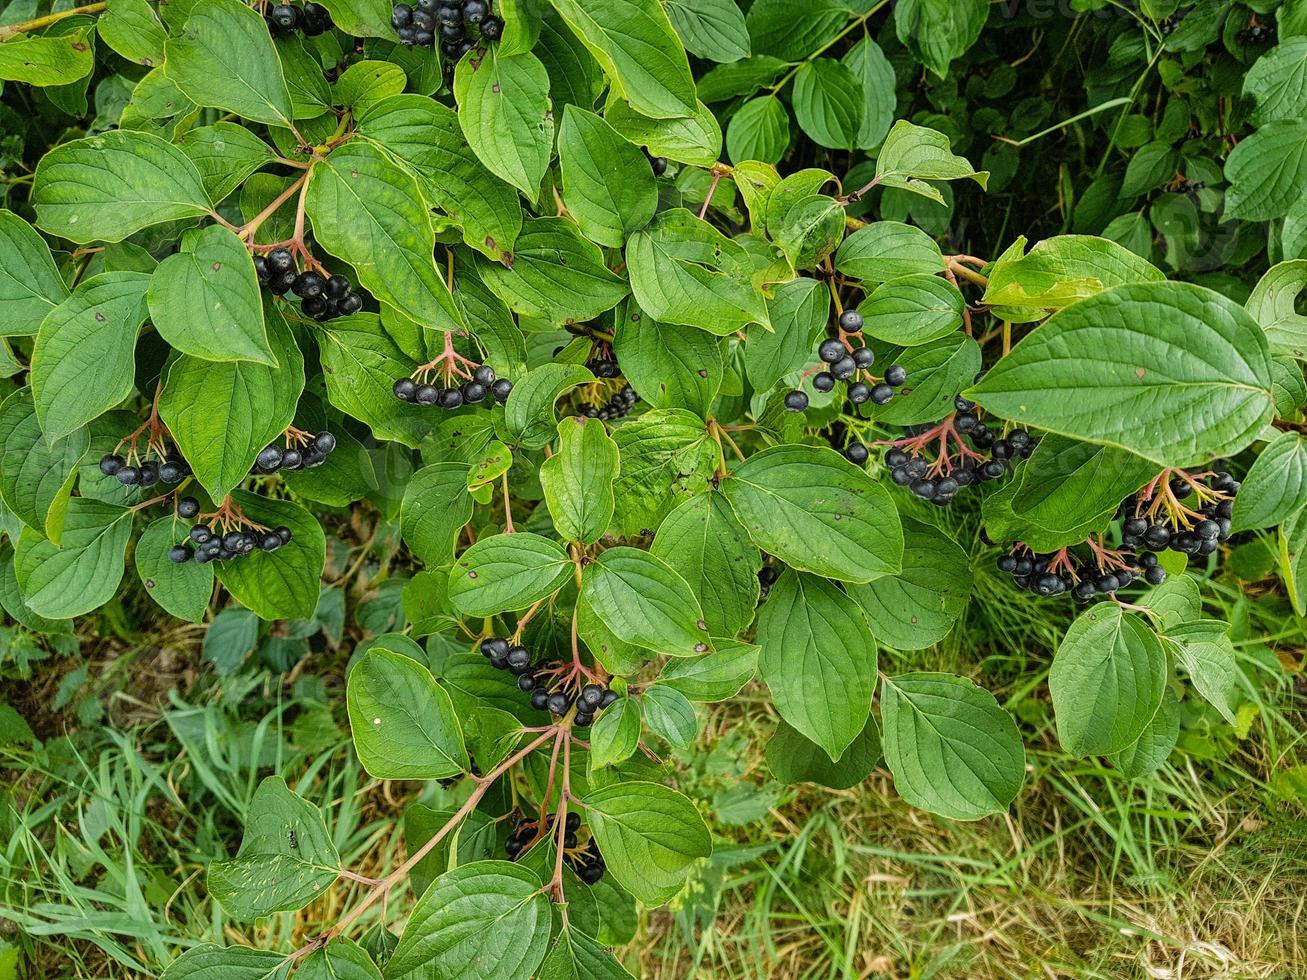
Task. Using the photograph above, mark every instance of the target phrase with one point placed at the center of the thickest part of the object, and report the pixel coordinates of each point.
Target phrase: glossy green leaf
(818, 660)
(759, 130)
(403, 722)
(608, 187)
(30, 285)
(83, 571)
(1169, 371)
(649, 836)
(712, 29)
(938, 31)
(634, 42)
(616, 733)
(35, 474)
(951, 748)
(435, 508)
(818, 512)
(828, 103)
(1267, 171)
(1107, 681)
(695, 139)
(204, 300)
(1063, 270)
(669, 365)
(51, 60)
(886, 250)
(182, 589)
(792, 758)
(505, 572)
(913, 310)
(644, 601)
(282, 584)
(286, 858)
(106, 187)
(912, 155)
(504, 110)
(529, 417)
(578, 480)
(715, 676)
(82, 359)
(1275, 486)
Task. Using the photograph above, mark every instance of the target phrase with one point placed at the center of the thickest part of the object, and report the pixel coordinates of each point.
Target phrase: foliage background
(133, 746)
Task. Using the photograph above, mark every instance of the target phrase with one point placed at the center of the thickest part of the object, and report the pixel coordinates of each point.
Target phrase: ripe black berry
(558, 703)
(180, 553)
(881, 394)
(859, 392)
(279, 261)
(324, 442)
(111, 463)
(484, 375)
(427, 395)
(658, 164)
(844, 368)
(796, 401)
(857, 453)
(864, 357)
(188, 507)
(895, 375)
(850, 321)
(308, 284)
(831, 350)
(501, 389)
(492, 28)
(405, 389)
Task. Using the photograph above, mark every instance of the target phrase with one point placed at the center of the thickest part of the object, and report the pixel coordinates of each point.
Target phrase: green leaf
(1063, 270)
(886, 250)
(35, 475)
(879, 96)
(83, 571)
(644, 601)
(1273, 304)
(340, 959)
(222, 415)
(951, 748)
(225, 155)
(106, 187)
(504, 110)
(30, 285)
(818, 660)
(1278, 82)
(556, 275)
(181, 589)
(608, 186)
(704, 541)
(714, 676)
(938, 31)
(210, 962)
(912, 155)
(669, 366)
(360, 362)
(670, 716)
(286, 858)
(507, 572)
(683, 270)
(1169, 371)
(576, 956)
(578, 480)
(56, 59)
(230, 638)
(1204, 649)
(365, 83)
(1175, 601)
(426, 136)
(666, 457)
(575, 78)
(913, 310)
(798, 311)
(282, 584)
(1267, 171)
(1152, 166)
(916, 608)
(485, 920)
(1150, 751)
(12, 602)
(529, 416)
(817, 512)
(634, 42)
(792, 758)
(828, 103)
(1275, 486)
(777, 31)
(204, 300)
(649, 836)
(133, 30)
(224, 57)
(696, 139)
(616, 734)
(369, 211)
(1107, 681)
(435, 508)
(712, 29)
(759, 130)
(82, 360)
(403, 722)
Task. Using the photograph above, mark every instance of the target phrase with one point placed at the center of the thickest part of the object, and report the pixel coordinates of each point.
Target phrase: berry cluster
(481, 385)
(453, 20)
(586, 860)
(956, 464)
(306, 452)
(208, 544)
(1257, 34)
(1054, 573)
(848, 364)
(147, 472)
(1161, 520)
(535, 679)
(602, 365)
(321, 298)
(311, 20)
(617, 407)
